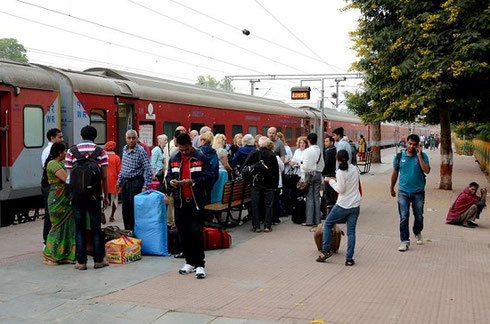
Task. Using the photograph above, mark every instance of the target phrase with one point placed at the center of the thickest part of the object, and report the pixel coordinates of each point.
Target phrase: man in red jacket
(467, 207)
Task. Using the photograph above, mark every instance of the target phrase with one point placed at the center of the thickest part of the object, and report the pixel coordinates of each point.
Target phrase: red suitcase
(215, 238)
(154, 185)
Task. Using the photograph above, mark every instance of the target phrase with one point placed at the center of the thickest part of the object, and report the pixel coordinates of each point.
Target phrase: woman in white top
(297, 159)
(219, 143)
(347, 208)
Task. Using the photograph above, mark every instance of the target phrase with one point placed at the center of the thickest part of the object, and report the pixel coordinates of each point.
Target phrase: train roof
(25, 75)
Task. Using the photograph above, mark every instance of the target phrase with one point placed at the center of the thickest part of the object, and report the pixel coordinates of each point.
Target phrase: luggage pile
(123, 250)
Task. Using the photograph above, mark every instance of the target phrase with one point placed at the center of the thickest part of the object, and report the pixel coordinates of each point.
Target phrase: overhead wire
(213, 36)
(294, 35)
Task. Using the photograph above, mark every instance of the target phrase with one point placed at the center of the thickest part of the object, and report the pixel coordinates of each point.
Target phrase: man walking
(135, 176)
(341, 143)
(54, 135)
(187, 178)
(86, 165)
(412, 165)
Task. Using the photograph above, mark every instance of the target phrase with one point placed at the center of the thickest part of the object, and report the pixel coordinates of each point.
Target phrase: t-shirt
(411, 176)
(279, 149)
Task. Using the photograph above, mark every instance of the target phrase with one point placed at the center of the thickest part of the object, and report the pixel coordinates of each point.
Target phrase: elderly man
(193, 133)
(279, 148)
(467, 207)
(195, 141)
(264, 186)
(135, 176)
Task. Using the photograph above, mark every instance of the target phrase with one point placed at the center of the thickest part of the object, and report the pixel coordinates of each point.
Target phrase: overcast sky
(181, 39)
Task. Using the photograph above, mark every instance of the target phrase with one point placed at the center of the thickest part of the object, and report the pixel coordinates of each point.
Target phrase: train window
(252, 130)
(235, 129)
(99, 122)
(33, 126)
(218, 129)
(298, 132)
(279, 129)
(146, 133)
(289, 134)
(169, 128)
(264, 130)
(196, 126)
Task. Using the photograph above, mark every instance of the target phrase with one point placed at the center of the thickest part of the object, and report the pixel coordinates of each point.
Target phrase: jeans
(47, 221)
(190, 222)
(80, 210)
(131, 188)
(404, 200)
(313, 200)
(339, 214)
(268, 197)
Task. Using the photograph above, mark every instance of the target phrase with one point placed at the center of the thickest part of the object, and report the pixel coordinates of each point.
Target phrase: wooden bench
(366, 164)
(236, 195)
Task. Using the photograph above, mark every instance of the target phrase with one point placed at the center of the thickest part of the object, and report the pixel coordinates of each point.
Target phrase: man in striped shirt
(90, 206)
(135, 176)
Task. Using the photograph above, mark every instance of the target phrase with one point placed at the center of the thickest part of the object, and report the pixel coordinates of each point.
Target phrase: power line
(212, 36)
(137, 36)
(251, 35)
(299, 39)
(114, 44)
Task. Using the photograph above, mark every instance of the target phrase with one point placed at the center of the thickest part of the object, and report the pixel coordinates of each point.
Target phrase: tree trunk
(446, 182)
(376, 142)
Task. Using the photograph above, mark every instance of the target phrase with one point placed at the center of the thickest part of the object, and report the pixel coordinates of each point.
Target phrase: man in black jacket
(329, 155)
(264, 185)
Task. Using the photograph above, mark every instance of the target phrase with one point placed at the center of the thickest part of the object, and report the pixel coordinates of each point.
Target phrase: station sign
(300, 93)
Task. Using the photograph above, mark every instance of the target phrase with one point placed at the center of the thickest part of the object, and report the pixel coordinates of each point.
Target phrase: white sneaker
(419, 238)
(200, 274)
(403, 247)
(187, 268)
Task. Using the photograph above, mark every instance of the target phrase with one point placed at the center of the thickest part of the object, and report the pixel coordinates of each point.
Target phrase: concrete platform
(273, 277)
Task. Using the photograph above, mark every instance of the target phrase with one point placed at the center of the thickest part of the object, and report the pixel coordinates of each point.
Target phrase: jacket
(271, 177)
(200, 172)
(213, 161)
(329, 155)
(461, 204)
(241, 155)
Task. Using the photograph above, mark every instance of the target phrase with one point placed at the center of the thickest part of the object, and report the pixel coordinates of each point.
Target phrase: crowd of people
(187, 167)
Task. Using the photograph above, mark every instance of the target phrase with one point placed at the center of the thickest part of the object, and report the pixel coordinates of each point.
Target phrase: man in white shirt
(311, 170)
(341, 143)
(54, 135)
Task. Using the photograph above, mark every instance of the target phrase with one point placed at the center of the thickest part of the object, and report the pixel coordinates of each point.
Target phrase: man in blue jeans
(412, 165)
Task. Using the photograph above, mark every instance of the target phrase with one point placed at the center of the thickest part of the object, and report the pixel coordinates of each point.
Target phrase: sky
(181, 39)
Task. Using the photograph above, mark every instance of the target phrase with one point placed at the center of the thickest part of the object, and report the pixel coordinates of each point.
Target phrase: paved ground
(273, 277)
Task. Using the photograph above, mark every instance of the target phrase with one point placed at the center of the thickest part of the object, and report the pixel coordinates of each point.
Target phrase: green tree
(425, 61)
(12, 50)
(211, 82)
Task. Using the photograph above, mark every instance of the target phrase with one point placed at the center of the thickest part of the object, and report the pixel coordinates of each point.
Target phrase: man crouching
(467, 207)
(189, 172)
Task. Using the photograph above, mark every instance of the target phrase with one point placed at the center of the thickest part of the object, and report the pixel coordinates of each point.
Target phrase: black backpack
(255, 173)
(86, 176)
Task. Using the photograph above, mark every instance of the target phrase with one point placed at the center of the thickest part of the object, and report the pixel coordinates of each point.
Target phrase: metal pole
(252, 87)
(322, 108)
(337, 92)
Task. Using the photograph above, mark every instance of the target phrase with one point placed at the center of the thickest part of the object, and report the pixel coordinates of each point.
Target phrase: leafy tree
(211, 82)
(425, 61)
(12, 50)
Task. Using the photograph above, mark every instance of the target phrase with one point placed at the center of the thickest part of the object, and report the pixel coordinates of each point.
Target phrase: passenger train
(35, 98)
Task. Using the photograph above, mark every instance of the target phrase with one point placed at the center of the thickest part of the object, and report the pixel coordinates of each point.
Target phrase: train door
(3, 134)
(125, 122)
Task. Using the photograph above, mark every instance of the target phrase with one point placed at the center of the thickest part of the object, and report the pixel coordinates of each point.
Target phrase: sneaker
(81, 266)
(187, 268)
(403, 247)
(420, 241)
(200, 274)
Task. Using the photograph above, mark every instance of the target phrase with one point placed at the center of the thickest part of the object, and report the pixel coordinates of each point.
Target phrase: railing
(463, 147)
(480, 149)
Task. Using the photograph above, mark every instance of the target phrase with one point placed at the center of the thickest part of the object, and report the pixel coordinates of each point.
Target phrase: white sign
(146, 134)
(150, 114)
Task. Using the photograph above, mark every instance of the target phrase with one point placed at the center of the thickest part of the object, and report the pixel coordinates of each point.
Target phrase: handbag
(303, 184)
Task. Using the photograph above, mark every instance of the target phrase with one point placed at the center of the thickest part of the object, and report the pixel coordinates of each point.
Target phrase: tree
(12, 50)
(211, 82)
(425, 61)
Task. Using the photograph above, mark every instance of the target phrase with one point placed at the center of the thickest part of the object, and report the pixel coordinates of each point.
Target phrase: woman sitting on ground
(60, 243)
(347, 184)
(467, 207)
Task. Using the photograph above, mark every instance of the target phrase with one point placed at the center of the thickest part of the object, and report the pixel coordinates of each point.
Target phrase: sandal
(349, 262)
(324, 256)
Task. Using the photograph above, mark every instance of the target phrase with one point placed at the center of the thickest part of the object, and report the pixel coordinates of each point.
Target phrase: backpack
(85, 177)
(398, 159)
(255, 173)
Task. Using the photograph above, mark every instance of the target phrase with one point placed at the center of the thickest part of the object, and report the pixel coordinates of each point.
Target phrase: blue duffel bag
(150, 222)
(219, 186)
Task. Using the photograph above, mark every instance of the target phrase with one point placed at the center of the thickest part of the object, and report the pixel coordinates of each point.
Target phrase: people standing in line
(279, 148)
(264, 189)
(60, 243)
(54, 135)
(347, 208)
(467, 207)
(219, 143)
(311, 171)
(135, 176)
(113, 170)
(77, 162)
(297, 160)
(157, 160)
(237, 143)
(188, 179)
(248, 145)
(341, 143)
(411, 165)
(362, 148)
(329, 156)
